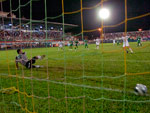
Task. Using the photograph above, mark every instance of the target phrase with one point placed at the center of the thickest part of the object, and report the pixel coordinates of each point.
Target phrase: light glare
(104, 13)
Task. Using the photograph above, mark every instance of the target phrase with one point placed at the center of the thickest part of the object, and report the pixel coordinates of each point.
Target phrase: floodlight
(41, 27)
(104, 13)
(52, 27)
(10, 24)
(100, 29)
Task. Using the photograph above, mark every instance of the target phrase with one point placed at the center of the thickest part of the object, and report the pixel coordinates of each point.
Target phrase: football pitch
(85, 80)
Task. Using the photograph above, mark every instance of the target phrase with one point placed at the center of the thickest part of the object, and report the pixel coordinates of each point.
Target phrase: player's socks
(38, 66)
(39, 57)
(43, 56)
(131, 50)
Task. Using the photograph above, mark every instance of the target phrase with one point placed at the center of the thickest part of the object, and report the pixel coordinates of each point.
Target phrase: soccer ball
(140, 89)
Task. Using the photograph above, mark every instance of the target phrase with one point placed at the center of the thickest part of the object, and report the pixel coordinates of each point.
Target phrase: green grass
(63, 73)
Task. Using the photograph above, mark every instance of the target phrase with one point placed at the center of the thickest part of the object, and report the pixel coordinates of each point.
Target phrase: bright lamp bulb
(104, 13)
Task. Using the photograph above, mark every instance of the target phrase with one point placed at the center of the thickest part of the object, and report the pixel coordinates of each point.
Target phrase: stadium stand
(15, 35)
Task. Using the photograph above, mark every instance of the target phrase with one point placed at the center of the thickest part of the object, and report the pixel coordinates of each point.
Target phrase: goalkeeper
(22, 59)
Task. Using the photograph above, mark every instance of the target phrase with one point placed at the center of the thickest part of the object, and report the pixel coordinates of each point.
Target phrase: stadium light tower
(103, 14)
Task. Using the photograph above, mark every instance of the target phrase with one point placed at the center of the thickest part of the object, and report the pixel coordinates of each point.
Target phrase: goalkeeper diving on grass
(28, 63)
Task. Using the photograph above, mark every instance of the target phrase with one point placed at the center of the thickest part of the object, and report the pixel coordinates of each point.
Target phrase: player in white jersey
(114, 42)
(97, 43)
(60, 44)
(22, 59)
(126, 43)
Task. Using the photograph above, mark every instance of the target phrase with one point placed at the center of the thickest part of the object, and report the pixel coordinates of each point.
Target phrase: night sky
(91, 20)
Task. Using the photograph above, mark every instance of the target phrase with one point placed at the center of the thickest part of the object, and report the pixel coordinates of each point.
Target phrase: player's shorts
(125, 44)
(60, 46)
(86, 44)
(71, 44)
(76, 44)
(30, 62)
(97, 44)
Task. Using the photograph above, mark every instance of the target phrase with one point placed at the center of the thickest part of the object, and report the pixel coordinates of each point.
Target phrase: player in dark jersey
(139, 41)
(118, 43)
(71, 44)
(76, 43)
(86, 43)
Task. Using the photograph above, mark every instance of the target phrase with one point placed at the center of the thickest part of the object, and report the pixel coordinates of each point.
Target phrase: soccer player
(97, 43)
(118, 43)
(139, 41)
(86, 43)
(60, 45)
(126, 43)
(114, 42)
(71, 44)
(22, 59)
(76, 43)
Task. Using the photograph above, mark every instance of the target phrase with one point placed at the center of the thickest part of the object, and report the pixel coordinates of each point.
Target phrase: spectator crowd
(145, 35)
(40, 38)
(26, 35)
